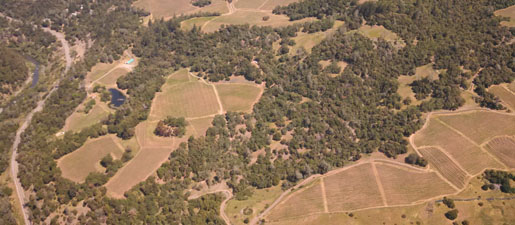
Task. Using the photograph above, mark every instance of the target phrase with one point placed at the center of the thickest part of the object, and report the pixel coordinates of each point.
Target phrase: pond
(35, 75)
(117, 97)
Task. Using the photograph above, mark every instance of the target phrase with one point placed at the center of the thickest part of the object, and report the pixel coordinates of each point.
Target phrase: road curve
(14, 164)
(228, 196)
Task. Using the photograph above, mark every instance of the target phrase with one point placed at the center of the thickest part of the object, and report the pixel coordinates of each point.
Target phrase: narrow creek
(35, 75)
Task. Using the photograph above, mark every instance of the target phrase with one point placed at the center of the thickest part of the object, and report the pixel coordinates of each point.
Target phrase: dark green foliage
(89, 105)
(452, 214)
(500, 177)
(449, 202)
(201, 3)
(414, 158)
(13, 71)
(171, 127)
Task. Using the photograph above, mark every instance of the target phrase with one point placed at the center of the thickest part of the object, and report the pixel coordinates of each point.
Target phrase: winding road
(14, 164)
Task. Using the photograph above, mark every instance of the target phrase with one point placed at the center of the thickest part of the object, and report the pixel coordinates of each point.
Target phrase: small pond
(117, 97)
(35, 75)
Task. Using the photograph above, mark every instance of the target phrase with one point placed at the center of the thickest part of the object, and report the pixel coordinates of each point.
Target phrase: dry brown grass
(480, 126)
(447, 168)
(189, 99)
(511, 86)
(249, 4)
(271, 4)
(110, 79)
(169, 8)
(351, 189)
(77, 165)
(80, 120)
(201, 125)
(405, 90)
(375, 32)
(238, 97)
(507, 12)
(400, 190)
(505, 95)
(504, 149)
(251, 18)
(144, 164)
(468, 155)
(307, 200)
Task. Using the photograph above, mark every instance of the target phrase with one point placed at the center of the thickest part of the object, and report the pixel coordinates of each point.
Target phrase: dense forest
(344, 117)
(13, 71)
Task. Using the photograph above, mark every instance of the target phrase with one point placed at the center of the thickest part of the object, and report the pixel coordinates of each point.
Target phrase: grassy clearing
(80, 120)
(420, 72)
(398, 190)
(110, 79)
(445, 166)
(468, 155)
(307, 200)
(511, 86)
(308, 41)
(251, 18)
(504, 149)
(507, 12)
(506, 96)
(184, 99)
(144, 164)
(259, 201)
(201, 125)
(249, 4)
(480, 126)
(271, 4)
(169, 8)
(77, 165)
(187, 25)
(351, 189)
(238, 97)
(375, 32)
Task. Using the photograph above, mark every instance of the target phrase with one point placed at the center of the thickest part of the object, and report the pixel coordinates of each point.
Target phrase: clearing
(507, 12)
(504, 149)
(169, 8)
(310, 40)
(184, 99)
(80, 120)
(375, 32)
(238, 97)
(238, 210)
(77, 165)
(405, 90)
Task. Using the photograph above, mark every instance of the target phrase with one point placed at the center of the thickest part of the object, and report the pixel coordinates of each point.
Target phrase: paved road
(14, 164)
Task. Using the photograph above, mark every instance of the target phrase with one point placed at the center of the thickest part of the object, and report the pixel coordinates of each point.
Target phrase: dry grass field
(422, 185)
(257, 202)
(506, 96)
(481, 126)
(77, 165)
(184, 99)
(109, 80)
(511, 86)
(271, 4)
(143, 165)
(169, 8)
(310, 40)
(352, 189)
(375, 32)
(507, 12)
(238, 97)
(188, 24)
(80, 120)
(445, 166)
(466, 153)
(251, 18)
(308, 200)
(200, 125)
(504, 149)
(420, 72)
